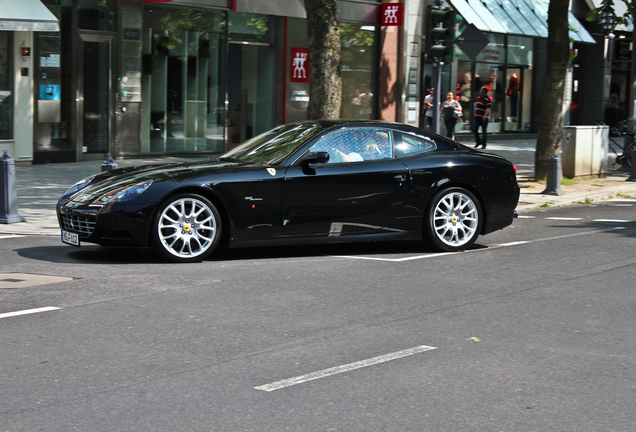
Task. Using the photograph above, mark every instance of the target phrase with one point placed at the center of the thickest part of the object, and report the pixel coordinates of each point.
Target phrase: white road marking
(526, 217)
(563, 218)
(622, 205)
(624, 200)
(513, 243)
(344, 368)
(436, 255)
(29, 311)
(10, 236)
(612, 220)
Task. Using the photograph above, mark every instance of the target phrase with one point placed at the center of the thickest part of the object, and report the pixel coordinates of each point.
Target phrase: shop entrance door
(251, 86)
(95, 102)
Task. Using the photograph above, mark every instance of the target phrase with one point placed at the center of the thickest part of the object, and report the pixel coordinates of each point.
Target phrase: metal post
(436, 94)
(8, 195)
(632, 174)
(109, 164)
(553, 184)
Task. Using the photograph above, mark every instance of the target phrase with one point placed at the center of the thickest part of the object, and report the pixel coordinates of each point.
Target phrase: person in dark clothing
(482, 114)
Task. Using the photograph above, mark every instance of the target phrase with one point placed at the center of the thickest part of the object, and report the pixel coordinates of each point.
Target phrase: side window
(411, 145)
(355, 145)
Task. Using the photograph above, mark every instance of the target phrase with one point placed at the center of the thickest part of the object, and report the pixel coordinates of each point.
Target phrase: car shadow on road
(93, 254)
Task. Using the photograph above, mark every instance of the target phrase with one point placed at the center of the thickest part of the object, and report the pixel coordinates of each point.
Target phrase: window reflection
(357, 57)
(183, 54)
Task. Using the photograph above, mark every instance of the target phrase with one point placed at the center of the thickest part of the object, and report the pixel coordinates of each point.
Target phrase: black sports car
(308, 182)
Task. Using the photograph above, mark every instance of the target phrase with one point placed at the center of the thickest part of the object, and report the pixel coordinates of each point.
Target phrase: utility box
(585, 150)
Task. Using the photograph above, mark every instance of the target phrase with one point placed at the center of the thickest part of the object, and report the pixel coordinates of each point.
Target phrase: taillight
(515, 167)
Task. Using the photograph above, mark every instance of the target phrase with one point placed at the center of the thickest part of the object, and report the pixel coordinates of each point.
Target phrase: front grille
(84, 225)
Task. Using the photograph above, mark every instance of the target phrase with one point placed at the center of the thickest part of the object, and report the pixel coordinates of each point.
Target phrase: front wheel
(453, 220)
(186, 228)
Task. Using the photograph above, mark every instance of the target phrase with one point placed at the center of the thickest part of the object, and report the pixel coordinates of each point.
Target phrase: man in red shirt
(482, 114)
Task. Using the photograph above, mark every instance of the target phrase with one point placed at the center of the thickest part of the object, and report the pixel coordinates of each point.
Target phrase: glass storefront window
(520, 50)
(97, 15)
(251, 80)
(358, 58)
(6, 85)
(183, 56)
(495, 51)
(249, 28)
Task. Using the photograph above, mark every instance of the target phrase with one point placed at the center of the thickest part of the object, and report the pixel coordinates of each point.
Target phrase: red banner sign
(392, 14)
(299, 70)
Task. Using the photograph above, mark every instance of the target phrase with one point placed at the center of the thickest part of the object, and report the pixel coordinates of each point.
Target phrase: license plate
(70, 238)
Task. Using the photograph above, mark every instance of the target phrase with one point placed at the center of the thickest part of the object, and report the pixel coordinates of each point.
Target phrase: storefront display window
(97, 15)
(504, 67)
(183, 52)
(6, 85)
(358, 58)
(251, 101)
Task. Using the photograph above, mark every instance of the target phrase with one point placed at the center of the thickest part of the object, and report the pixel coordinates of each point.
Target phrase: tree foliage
(325, 76)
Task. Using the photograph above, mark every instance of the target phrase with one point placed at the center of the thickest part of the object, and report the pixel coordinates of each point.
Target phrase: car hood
(119, 179)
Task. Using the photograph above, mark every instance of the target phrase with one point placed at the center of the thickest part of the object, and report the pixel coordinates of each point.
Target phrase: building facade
(151, 78)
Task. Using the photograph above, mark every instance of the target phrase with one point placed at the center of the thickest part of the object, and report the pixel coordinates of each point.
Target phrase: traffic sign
(472, 41)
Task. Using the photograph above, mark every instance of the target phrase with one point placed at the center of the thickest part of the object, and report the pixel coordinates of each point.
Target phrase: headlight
(79, 185)
(124, 193)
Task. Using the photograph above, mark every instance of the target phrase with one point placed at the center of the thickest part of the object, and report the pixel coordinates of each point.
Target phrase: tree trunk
(325, 81)
(550, 132)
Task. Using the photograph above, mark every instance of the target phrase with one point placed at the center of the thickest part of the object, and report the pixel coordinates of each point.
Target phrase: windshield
(274, 146)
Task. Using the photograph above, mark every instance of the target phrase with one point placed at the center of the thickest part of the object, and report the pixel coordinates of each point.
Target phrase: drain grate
(25, 280)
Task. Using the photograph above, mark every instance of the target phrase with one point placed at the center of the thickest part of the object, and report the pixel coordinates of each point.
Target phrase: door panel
(344, 198)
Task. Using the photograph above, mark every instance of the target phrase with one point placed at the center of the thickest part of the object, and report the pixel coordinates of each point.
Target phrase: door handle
(400, 177)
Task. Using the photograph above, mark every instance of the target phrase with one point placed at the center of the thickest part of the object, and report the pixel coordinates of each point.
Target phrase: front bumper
(111, 225)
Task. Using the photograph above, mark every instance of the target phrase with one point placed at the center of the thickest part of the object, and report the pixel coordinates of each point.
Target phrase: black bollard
(8, 195)
(109, 164)
(553, 184)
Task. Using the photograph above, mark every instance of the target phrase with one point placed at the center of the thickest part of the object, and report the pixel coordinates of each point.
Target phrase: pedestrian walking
(482, 114)
(451, 111)
(428, 104)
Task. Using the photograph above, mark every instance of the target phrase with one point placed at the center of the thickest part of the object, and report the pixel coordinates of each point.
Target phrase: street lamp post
(607, 20)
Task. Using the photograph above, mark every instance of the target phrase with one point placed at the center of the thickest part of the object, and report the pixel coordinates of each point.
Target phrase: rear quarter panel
(490, 178)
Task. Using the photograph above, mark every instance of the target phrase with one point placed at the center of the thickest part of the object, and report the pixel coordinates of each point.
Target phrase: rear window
(408, 145)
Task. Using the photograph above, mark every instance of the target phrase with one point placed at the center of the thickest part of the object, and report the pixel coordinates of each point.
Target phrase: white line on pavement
(28, 311)
(10, 236)
(437, 255)
(612, 220)
(563, 218)
(344, 368)
(526, 217)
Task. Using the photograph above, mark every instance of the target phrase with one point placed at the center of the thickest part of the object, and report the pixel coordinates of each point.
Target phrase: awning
(517, 17)
(26, 15)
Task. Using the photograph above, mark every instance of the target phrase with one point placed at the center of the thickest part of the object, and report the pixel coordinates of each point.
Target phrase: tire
(453, 220)
(186, 228)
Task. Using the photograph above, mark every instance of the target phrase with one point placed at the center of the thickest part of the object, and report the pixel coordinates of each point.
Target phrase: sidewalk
(40, 186)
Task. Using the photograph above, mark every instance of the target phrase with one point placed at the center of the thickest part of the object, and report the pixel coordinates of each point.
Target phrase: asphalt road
(532, 330)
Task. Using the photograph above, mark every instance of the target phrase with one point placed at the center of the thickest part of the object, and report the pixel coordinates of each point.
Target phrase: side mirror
(318, 157)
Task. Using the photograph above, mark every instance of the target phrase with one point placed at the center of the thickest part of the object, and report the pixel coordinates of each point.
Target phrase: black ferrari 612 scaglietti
(308, 182)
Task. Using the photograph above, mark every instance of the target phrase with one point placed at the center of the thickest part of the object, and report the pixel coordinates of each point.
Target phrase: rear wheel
(186, 228)
(452, 220)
